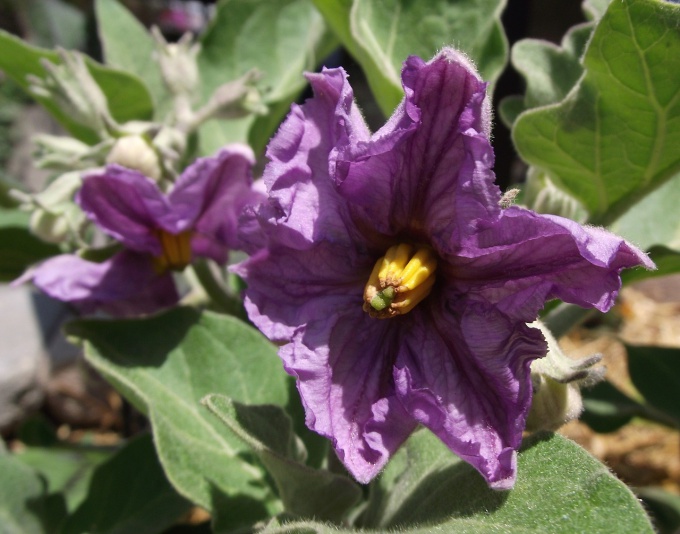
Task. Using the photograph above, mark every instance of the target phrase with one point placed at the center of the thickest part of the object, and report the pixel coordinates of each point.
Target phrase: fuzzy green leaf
(655, 220)
(25, 506)
(165, 365)
(550, 71)
(305, 491)
(280, 39)
(128, 493)
(127, 97)
(127, 45)
(67, 470)
(655, 372)
(381, 34)
(560, 488)
(614, 138)
(18, 247)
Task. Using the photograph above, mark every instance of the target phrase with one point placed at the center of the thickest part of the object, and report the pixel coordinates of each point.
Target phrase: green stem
(218, 293)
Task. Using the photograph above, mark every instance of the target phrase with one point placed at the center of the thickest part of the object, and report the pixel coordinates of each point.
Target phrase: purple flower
(396, 285)
(160, 233)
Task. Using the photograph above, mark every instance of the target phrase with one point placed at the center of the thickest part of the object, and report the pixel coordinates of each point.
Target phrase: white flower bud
(55, 216)
(556, 381)
(134, 152)
(553, 405)
(48, 226)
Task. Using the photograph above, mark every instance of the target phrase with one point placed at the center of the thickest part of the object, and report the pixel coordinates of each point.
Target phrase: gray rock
(29, 327)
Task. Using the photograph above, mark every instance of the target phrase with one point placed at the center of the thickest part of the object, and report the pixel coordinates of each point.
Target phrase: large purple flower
(160, 233)
(396, 285)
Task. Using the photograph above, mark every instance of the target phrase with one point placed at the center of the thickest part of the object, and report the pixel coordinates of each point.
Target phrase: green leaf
(607, 409)
(614, 138)
(509, 109)
(128, 493)
(655, 220)
(281, 39)
(25, 507)
(655, 372)
(53, 23)
(18, 247)
(667, 262)
(165, 365)
(127, 97)
(381, 34)
(127, 45)
(560, 488)
(664, 508)
(595, 9)
(550, 71)
(267, 430)
(215, 133)
(67, 470)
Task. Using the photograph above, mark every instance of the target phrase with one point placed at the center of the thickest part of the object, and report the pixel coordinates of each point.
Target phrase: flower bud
(238, 98)
(48, 226)
(556, 379)
(55, 216)
(553, 405)
(232, 100)
(134, 152)
(177, 62)
(64, 153)
(73, 89)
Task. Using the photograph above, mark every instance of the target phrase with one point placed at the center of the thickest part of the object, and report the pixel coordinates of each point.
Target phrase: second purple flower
(160, 233)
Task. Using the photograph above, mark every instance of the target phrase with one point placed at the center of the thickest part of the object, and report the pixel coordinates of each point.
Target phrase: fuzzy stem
(218, 293)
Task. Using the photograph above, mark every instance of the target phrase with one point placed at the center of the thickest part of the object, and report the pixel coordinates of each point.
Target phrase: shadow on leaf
(137, 342)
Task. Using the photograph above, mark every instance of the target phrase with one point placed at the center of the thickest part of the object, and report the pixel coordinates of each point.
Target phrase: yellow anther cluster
(401, 279)
(176, 253)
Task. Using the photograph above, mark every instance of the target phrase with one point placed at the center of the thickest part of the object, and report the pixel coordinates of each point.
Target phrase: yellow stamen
(399, 281)
(176, 254)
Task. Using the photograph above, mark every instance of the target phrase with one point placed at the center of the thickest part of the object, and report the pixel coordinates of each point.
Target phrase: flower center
(401, 279)
(176, 253)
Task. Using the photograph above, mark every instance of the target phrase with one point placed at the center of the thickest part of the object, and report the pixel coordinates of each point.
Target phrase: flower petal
(343, 364)
(428, 171)
(126, 284)
(209, 197)
(524, 259)
(312, 301)
(302, 196)
(126, 205)
(287, 288)
(462, 371)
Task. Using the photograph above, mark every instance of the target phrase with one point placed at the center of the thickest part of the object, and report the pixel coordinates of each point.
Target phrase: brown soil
(640, 453)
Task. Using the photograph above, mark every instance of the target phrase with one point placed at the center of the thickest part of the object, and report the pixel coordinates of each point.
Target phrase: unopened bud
(48, 226)
(233, 100)
(73, 90)
(553, 405)
(177, 62)
(556, 381)
(64, 153)
(55, 216)
(134, 152)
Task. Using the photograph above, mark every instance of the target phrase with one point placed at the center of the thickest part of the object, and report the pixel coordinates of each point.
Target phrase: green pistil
(383, 298)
